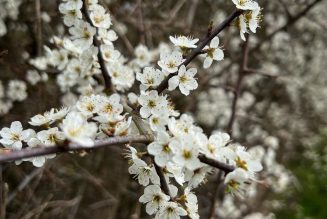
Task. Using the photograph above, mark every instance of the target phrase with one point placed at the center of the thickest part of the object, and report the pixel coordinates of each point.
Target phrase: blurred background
(281, 111)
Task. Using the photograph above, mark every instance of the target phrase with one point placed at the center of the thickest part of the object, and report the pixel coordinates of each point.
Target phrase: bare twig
(141, 22)
(38, 27)
(24, 183)
(239, 82)
(218, 193)
(242, 67)
(163, 182)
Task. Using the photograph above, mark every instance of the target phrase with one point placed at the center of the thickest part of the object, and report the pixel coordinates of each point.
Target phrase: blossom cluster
(15, 91)
(95, 117)
(176, 150)
(174, 155)
(9, 9)
(250, 19)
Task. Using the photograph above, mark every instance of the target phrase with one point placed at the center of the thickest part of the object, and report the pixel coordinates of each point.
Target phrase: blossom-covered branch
(198, 50)
(16, 155)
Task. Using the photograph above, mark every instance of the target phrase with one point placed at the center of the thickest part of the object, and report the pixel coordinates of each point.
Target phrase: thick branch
(41, 151)
(198, 50)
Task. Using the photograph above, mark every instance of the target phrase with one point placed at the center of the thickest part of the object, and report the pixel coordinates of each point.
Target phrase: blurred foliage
(310, 195)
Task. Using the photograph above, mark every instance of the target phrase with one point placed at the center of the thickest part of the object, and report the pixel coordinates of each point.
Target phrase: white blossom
(144, 173)
(170, 61)
(150, 77)
(184, 80)
(213, 52)
(160, 149)
(170, 211)
(77, 129)
(152, 103)
(14, 136)
(154, 199)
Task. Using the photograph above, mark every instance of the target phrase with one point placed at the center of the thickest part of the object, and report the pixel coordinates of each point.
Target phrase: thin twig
(141, 22)
(38, 27)
(202, 44)
(163, 182)
(242, 66)
(40, 151)
(215, 163)
(23, 184)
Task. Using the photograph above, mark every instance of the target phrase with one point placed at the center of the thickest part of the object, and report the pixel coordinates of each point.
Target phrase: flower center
(149, 81)
(183, 79)
(171, 64)
(233, 184)
(166, 148)
(108, 108)
(152, 104)
(157, 198)
(52, 138)
(241, 163)
(155, 120)
(14, 137)
(210, 52)
(90, 107)
(187, 154)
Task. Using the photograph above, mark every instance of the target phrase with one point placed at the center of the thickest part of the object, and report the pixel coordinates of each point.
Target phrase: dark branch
(215, 163)
(163, 182)
(202, 44)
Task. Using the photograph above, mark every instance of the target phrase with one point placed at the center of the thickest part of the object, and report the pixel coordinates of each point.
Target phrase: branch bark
(41, 151)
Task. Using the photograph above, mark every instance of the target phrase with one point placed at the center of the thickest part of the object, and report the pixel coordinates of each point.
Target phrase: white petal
(207, 62)
(173, 83)
(192, 84)
(214, 42)
(218, 54)
(184, 89)
(16, 127)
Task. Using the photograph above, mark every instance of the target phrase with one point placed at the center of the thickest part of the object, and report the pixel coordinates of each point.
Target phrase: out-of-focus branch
(218, 192)
(141, 22)
(243, 66)
(241, 75)
(41, 151)
(191, 14)
(38, 27)
(198, 50)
